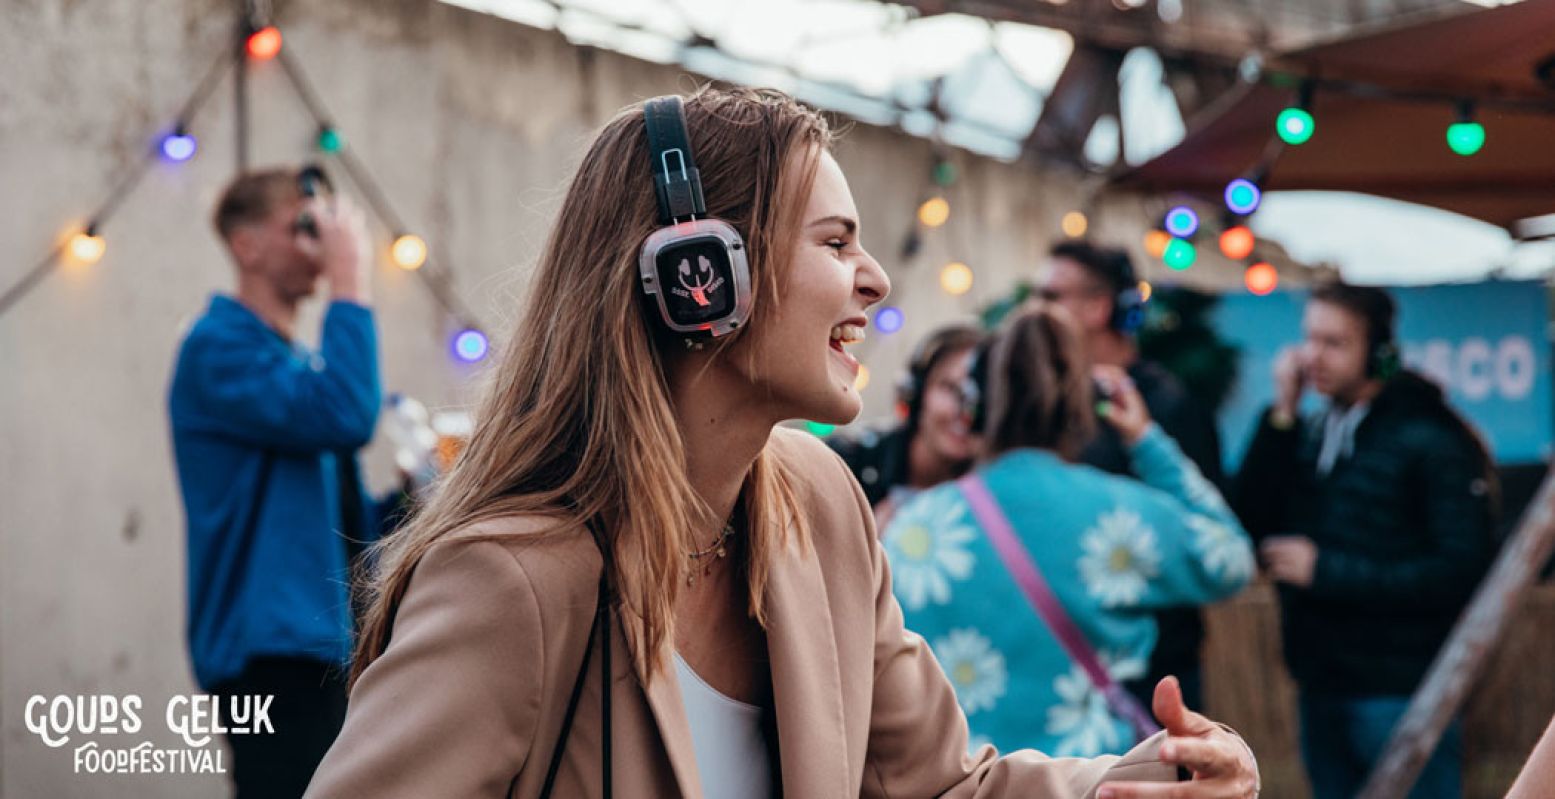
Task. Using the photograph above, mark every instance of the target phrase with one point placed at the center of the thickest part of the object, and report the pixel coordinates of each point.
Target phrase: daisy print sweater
(1112, 549)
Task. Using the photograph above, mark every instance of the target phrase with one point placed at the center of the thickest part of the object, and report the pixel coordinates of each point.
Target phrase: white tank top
(732, 755)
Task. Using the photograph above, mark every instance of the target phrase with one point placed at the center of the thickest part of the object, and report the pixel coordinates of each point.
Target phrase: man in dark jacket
(1375, 519)
(1099, 288)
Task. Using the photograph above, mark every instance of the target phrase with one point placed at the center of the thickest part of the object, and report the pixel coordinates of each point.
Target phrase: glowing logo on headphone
(697, 286)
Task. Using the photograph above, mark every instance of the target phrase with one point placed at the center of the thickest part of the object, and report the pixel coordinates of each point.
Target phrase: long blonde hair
(577, 420)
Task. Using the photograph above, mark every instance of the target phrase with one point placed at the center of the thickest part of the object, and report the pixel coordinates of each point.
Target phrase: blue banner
(1487, 343)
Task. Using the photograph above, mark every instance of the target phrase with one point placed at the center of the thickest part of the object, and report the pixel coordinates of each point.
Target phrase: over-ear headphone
(1383, 359)
(1128, 305)
(974, 388)
(910, 387)
(694, 266)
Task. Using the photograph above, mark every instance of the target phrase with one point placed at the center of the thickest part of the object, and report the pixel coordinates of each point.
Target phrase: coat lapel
(806, 688)
(669, 712)
(806, 679)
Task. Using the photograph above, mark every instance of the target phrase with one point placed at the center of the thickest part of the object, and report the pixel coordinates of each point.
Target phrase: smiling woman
(627, 499)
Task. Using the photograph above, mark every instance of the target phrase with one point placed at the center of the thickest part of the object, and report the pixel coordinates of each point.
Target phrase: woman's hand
(1221, 764)
(1120, 403)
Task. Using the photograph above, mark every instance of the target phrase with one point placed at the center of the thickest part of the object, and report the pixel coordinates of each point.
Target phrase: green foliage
(1178, 336)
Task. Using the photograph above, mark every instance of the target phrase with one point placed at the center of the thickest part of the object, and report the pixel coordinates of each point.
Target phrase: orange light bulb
(1237, 242)
(1261, 278)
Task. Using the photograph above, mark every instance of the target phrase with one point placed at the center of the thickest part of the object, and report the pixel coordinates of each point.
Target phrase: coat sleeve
(264, 397)
(1205, 555)
(918, 734)
(450, 707)
(1447, 478)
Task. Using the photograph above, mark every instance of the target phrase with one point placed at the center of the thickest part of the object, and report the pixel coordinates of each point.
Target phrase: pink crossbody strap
(1018, 562)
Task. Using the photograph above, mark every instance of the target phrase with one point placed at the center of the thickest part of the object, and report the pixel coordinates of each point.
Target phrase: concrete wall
(470, 123)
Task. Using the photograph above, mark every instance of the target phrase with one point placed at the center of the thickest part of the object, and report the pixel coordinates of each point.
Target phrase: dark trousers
(1342, 738)
(307, 713)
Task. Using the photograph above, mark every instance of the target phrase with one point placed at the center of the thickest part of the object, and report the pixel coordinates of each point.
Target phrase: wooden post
(1463, 658)
(246, 26)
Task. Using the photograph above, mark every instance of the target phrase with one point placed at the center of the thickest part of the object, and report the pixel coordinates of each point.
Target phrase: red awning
(1382, 104)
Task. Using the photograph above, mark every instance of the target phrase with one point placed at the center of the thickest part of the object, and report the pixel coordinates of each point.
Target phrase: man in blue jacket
(265, 434)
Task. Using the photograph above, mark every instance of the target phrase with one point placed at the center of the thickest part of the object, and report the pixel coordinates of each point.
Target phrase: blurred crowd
(1052, 504)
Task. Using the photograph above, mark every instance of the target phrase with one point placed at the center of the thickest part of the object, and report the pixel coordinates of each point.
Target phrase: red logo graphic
(701, 283)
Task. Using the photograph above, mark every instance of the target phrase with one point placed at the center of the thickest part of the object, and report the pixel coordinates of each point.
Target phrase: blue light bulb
(178, 147)
(470, 345)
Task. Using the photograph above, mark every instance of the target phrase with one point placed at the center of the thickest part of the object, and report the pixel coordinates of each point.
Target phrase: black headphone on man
(1128, 305)
(1383, 359)
(694, 266)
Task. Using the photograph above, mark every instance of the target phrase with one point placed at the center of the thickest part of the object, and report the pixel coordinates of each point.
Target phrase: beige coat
(489, 637)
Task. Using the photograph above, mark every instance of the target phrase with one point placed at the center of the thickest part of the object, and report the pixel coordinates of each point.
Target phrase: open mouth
(844, 335)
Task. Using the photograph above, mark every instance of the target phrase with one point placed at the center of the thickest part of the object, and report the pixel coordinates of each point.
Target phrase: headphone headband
(677, 184)
(693, 267)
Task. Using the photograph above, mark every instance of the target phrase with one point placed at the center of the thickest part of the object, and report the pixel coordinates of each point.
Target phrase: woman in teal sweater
(1110, 548)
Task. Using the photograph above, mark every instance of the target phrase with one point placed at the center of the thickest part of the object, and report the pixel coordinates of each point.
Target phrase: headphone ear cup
(1382, 362)
(1128, 311)
(906, 395)
(974, 391)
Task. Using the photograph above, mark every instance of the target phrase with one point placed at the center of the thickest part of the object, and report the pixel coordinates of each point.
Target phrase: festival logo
(197, 719)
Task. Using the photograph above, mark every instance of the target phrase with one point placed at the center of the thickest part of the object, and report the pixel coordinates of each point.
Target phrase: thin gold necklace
(719, 547)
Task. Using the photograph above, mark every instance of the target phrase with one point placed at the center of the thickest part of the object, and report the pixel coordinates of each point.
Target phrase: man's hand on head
(341, 246)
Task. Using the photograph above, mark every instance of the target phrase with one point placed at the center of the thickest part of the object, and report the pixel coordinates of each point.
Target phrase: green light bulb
(330, 140)
(1179, 254)
(1465, 138)
(820, 428)
(1294, 126)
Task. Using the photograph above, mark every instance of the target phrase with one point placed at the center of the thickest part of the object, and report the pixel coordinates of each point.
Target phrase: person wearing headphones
(634, 578)
(1042, 668)
(930, 443)
(1100, 289)
(1375, 518)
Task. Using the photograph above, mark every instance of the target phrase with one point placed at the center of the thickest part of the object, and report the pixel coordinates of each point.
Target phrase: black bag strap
(601, 622)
